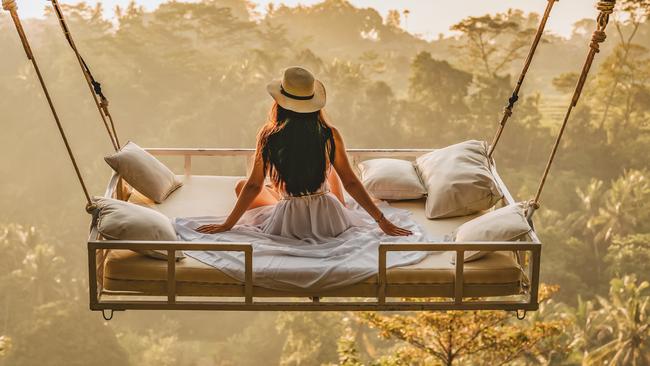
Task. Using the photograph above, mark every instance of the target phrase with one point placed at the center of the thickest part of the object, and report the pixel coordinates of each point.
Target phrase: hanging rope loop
(606, 7)
(507, 111)
(107, 314)
(520, 314)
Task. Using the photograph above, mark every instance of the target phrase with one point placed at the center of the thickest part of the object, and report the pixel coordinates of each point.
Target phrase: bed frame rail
(528, 252)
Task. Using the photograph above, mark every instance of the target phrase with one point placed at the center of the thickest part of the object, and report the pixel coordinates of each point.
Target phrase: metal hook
(107, 318)
(520, 317)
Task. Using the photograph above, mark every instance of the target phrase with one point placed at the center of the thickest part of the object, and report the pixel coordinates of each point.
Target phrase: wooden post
(248, 275)
(534, 288)
(458, 283)
(92, 277)
(381, 276)
(188, 165)
(171, 276)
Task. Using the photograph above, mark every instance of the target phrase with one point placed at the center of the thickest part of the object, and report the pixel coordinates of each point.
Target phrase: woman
(304, 156)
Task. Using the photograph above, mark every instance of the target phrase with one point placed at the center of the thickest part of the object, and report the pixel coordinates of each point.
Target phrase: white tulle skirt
(311, 242)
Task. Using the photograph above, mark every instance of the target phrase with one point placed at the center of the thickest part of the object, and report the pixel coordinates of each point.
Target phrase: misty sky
(428, 17)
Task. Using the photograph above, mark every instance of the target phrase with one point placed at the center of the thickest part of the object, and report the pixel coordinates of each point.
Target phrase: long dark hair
(297, 149)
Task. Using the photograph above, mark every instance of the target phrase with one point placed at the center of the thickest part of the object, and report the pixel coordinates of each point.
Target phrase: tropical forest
(194, 74)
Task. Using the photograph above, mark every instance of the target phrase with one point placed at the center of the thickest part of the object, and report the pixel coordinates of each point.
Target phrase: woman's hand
(392, 230)
(213, 229)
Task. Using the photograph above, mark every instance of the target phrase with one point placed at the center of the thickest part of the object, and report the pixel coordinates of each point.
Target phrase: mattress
(127, 272)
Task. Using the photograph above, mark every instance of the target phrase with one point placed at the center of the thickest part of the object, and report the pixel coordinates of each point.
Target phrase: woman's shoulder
(335, 133)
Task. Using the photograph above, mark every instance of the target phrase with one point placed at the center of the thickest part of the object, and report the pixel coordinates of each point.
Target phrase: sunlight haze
(423, 19)
(326, 183)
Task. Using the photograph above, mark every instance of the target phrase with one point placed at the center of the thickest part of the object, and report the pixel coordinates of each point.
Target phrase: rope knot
(507, 111)
(512, 100)
(598, 37)
(606, 6)
(9, 5)
(533, 204)
(97, 87)
(91, 208)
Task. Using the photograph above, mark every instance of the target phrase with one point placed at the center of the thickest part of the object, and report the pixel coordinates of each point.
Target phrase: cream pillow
(144, 172)
(391, 179)
(119, 220)
(507, 223)
(458, 180)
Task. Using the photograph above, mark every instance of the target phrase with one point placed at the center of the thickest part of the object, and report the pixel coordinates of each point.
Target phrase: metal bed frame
(527, 252)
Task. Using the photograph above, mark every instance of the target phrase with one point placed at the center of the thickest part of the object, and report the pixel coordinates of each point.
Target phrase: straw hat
(298, 91)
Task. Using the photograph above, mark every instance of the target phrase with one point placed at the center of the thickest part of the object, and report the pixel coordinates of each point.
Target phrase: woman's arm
(249, 192)
(353, 185)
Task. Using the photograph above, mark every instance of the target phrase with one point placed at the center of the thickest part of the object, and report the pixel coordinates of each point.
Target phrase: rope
(10, 6)
(605, 7)
(507, 111)
(93, 85)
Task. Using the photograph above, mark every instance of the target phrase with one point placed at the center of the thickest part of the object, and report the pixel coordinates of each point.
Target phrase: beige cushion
(119, 220)
(200, 195)
(508, 223)
(143, 172)
(458, 180)
(496, 274)
(391, 179)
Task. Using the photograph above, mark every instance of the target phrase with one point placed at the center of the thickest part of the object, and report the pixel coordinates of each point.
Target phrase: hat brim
(300, 106)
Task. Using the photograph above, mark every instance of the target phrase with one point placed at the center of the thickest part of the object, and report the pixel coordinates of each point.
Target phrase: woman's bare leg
(336, 187)
(266, 197)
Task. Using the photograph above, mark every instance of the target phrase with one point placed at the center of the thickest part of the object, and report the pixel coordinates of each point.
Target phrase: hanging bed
(507, 278)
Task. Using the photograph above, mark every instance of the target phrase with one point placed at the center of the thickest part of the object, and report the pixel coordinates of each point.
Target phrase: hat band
(296, 97)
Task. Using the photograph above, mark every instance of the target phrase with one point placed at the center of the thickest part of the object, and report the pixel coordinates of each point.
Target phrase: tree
(630, 255)
(626, 207)
(394, 18)
(566, 82)
(310, 337)
(438, 85)
(65, 334)
(457, 337)
(627, 320)
(637, 11)
(493, 41)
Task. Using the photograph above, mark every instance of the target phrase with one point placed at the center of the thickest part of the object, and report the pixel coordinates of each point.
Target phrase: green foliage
(439, 85)
(625, 324)
(566, 83)
(58, 334)
(193, 74)
(580, 244)
(630, 255)
(346, 349)
(310, 337)
(494, 41)
(454, 337)
(262, 334)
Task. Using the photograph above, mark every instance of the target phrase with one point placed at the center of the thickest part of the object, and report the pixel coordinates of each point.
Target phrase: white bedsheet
(282, 263)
